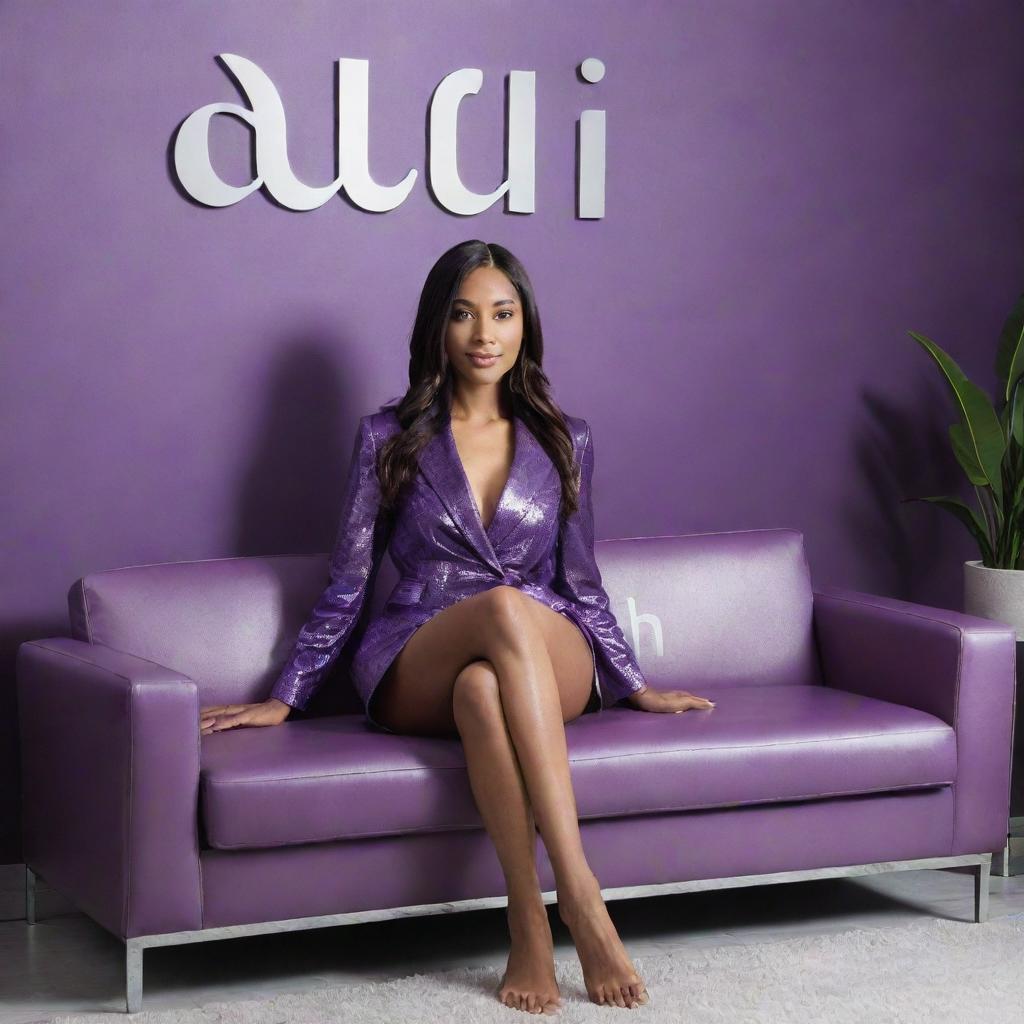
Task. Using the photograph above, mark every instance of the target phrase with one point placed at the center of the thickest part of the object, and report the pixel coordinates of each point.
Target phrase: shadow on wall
(290, 495)
(903, 451)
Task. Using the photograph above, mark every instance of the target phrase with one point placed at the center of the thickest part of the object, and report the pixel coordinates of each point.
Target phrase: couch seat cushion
(339, 778)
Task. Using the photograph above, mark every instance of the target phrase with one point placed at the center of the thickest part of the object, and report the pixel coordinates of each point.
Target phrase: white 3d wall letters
(266, 117)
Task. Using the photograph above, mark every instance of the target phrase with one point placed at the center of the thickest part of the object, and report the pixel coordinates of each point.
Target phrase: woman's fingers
(691, 701)
(232, 715)
(672, 701)
(221, 711)
(217, 723)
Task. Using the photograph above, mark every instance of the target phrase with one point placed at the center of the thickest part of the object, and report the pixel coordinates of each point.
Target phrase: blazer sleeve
(361, 540)
(578, 578)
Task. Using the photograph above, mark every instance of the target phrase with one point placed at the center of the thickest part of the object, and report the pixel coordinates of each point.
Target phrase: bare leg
(530, 697)
(529, 981)
(524, 641)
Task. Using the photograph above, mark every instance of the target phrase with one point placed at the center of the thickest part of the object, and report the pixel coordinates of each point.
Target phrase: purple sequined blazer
(443, 553)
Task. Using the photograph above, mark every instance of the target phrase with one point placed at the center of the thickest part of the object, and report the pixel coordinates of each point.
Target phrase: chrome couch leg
(133, 965)
(981, 877)
(1001, 861)
(30, 895)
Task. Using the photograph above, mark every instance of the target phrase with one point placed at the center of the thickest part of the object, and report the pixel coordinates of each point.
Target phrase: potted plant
(989, 445)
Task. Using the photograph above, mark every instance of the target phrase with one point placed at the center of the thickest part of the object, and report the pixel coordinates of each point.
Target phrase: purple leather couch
(852, 734)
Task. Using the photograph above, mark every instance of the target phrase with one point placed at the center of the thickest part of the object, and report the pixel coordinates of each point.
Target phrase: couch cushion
(338, 777)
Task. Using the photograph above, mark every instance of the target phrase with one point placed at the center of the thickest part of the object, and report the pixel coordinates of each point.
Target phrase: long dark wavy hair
(525, 388)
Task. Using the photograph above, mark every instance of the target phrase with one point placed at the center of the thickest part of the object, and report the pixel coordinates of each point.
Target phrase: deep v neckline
(516, 446)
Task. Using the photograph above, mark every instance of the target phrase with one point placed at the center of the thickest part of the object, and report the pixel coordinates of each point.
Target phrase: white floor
(66, 963)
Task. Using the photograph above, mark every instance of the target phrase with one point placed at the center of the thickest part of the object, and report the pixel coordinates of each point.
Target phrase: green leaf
(1016, 405)
(1016, 507)
(965, 455)
(970, 518)
(1010, 355)
(983, 432)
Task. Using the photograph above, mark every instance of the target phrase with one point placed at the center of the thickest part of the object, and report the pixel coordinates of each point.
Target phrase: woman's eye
(504, 314)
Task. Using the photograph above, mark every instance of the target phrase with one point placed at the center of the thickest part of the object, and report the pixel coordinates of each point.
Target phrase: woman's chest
(486, 455)
(438, 520)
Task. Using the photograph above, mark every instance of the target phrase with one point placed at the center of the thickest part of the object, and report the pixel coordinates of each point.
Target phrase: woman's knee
(475, 691)
(508, 613)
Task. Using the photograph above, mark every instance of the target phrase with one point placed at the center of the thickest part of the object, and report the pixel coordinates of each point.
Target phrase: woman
(479, 488)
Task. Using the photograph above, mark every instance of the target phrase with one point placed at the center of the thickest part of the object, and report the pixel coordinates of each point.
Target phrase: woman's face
(486, 321)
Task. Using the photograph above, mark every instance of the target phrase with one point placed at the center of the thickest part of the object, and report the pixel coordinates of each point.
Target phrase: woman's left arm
(578, 578)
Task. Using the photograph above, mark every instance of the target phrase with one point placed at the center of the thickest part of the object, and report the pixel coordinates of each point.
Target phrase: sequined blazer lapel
(441, 466)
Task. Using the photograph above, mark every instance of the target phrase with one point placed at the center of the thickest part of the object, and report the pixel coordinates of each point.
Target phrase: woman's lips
(482, 360)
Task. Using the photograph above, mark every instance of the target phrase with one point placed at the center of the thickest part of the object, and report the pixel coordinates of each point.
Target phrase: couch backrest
(227, 623)
(714, 608)
(731, 608)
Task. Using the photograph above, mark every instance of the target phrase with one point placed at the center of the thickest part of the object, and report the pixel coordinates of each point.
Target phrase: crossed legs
(505, 673)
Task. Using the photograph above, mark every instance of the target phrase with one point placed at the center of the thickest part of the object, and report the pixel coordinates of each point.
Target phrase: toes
(531, 1002)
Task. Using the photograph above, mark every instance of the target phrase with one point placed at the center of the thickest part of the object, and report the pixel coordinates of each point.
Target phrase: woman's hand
(218, 717)
(677, 701)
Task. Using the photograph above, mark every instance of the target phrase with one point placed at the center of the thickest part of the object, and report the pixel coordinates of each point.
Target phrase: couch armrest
(110, 784)
(960, 668)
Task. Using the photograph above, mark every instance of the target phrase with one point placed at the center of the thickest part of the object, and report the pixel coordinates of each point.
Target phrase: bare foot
(529, 980)
(608, 973)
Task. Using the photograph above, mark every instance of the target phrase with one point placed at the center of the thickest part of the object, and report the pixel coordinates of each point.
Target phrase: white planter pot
(995, 594)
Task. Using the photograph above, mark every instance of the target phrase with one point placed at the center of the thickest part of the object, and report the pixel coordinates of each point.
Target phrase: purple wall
(791, 186)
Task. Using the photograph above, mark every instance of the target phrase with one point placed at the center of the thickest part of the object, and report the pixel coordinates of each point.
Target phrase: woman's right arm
(361, 540)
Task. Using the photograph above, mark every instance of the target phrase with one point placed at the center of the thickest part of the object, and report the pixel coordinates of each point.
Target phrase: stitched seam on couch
(590, 817)
(577, 760)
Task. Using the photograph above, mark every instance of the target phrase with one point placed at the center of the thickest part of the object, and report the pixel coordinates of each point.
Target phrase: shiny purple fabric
(443, 553)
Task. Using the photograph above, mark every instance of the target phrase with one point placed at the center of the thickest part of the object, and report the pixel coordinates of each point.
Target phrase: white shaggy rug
(929, 972)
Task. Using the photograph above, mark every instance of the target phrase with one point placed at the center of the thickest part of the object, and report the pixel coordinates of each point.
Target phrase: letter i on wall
(590, 182)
